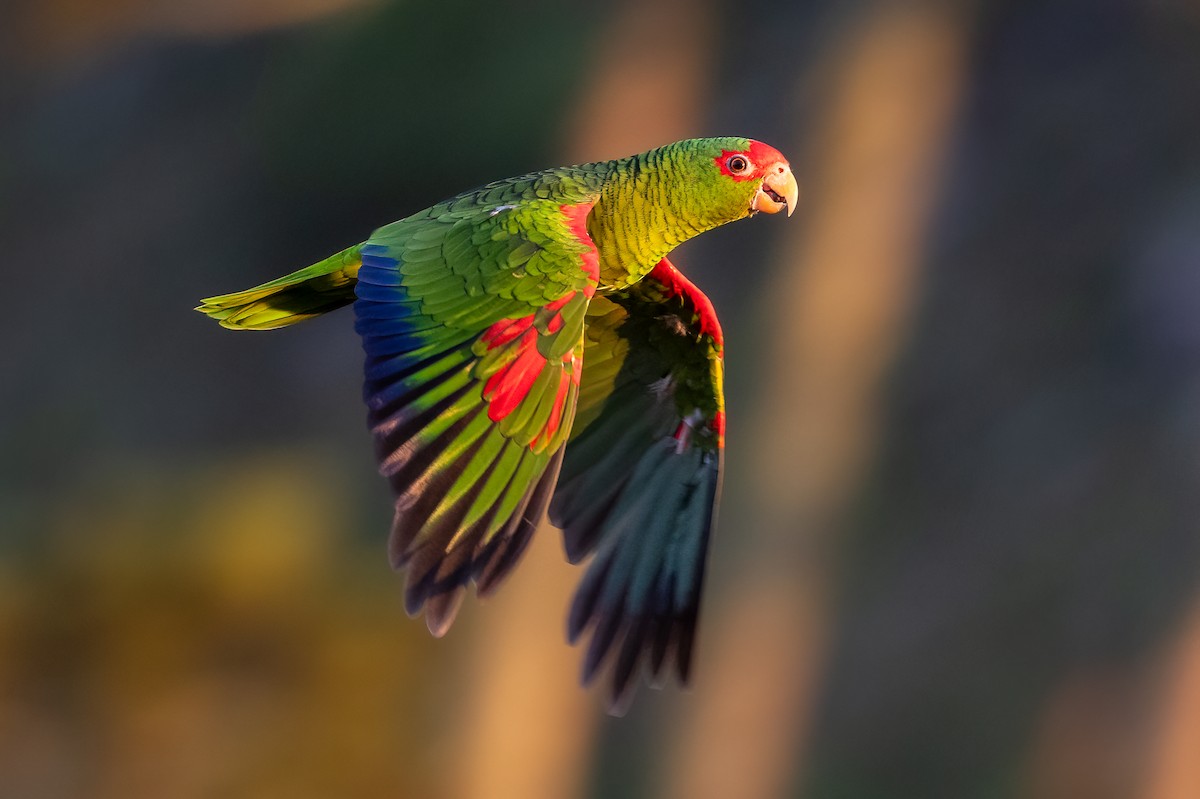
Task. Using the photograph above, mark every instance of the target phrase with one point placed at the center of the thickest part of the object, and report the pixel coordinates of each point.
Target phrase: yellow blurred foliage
(179, 634)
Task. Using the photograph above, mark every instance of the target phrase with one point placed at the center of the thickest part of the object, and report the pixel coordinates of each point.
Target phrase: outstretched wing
(642, 473)
(471, 316)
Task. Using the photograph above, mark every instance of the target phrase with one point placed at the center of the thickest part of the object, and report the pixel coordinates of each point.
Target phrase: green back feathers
(292, 298)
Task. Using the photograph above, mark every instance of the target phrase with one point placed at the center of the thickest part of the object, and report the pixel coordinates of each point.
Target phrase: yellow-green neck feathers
(655, 201)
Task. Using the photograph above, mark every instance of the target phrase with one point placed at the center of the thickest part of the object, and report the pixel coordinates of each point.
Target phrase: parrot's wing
(642, 473)
(471, 316)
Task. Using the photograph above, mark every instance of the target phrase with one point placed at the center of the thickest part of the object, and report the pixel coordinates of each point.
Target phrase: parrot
(531, 350)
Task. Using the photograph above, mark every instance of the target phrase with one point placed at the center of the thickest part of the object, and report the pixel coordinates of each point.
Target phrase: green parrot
(529, 346)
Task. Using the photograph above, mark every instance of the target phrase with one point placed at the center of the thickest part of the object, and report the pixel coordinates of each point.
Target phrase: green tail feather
(292, 298)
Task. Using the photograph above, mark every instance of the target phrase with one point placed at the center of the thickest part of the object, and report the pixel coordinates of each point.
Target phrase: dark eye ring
(738, 164)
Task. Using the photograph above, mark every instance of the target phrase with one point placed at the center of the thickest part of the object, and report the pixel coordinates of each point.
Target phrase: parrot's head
(737, 177)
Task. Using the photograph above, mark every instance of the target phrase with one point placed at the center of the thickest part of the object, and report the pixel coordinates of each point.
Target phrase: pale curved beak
(778, 191)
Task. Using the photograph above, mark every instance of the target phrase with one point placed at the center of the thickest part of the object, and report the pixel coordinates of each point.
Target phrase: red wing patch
(506, 388)
(530, 379)
(505, 331)
(760, 156)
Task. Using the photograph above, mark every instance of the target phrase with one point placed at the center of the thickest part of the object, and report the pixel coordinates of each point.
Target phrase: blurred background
(959, 554)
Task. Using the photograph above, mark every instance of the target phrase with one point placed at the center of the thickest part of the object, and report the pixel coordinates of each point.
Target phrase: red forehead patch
(760, 155)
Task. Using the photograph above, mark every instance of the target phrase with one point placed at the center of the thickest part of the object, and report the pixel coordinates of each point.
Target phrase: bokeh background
(959, 554)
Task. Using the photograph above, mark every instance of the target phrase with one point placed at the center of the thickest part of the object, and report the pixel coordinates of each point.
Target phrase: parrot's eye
(738, 165)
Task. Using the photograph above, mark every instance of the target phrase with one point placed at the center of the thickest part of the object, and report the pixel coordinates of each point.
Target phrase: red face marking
(758, 154)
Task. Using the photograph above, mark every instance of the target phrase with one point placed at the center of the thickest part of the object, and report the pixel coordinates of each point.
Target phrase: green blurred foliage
(421, 99)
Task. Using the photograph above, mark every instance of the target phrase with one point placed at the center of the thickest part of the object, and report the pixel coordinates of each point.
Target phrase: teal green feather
(651, 399)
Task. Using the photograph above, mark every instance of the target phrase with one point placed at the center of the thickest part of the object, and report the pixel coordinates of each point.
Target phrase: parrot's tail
(292, 298)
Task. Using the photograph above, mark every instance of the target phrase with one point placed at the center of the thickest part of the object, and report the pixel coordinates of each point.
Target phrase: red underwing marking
(760, 156)
(678, 285)
(577, 222)
(683, 435)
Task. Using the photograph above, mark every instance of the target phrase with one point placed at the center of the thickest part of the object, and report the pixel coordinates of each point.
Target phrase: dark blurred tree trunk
(1093, 735)
(528, 729)
(1026, 540)
(1174, 768)
(837, 309)
(650, 82)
